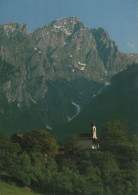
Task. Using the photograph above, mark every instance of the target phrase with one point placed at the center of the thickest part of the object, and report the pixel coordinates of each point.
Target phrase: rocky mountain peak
(103, 37)
(57, 33)
(55, 70)
(107, 49)
(11, 28)
(68, 20)
(101, 32)
(65, 26)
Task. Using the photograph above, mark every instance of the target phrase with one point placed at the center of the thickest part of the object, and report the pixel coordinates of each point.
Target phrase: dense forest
(35, 159)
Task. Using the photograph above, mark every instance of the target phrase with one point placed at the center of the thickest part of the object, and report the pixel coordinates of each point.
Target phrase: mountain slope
(50, 73)
(119, 101)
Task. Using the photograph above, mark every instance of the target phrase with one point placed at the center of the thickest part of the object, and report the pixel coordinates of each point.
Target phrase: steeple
(95, 144)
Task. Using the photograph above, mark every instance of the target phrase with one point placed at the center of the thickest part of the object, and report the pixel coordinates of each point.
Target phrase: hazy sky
(118, 17)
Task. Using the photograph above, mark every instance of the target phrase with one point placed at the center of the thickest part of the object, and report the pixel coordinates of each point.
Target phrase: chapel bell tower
(95, 144)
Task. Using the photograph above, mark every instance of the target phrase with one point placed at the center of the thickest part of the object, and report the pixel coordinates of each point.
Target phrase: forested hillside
(35, 159)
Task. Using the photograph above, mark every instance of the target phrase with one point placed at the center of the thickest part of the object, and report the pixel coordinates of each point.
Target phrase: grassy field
(11, 189)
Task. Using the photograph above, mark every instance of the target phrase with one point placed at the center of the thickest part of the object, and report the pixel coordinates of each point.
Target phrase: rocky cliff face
(56, 70)
(113, 59)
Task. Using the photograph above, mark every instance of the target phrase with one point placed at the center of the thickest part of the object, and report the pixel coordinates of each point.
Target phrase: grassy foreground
(12, 189)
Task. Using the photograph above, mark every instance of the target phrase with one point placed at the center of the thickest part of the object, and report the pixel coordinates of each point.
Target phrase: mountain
(49, 76)
(118, 101)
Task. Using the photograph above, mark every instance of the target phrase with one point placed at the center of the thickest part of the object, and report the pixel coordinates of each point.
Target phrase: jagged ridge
(61, 63)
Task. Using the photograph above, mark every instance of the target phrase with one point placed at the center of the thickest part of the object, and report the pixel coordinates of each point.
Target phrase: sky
(118, 17)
